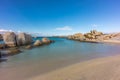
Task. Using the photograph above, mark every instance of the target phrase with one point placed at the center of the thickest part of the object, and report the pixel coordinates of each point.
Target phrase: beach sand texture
(97, 69)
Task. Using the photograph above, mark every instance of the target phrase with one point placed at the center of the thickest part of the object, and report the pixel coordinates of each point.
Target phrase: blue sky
(59, 17)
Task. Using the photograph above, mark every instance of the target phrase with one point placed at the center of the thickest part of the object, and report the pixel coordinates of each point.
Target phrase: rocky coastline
(96, 37)
(14, 42)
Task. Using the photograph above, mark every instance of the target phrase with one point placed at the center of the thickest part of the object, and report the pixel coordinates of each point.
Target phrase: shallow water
(46, 58)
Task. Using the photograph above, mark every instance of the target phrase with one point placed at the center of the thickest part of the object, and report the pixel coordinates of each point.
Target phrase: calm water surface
(44, 59)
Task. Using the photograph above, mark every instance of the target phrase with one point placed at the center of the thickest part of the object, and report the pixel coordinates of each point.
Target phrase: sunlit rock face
(24, 39)
(10, 39)
(77, 36)
(45, 40)
(93, 34)
(37, 43)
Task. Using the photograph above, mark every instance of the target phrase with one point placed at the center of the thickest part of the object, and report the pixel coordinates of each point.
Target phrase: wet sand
(97, 69)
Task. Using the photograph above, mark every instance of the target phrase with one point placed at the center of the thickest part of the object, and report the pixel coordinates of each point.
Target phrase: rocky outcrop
(13, 42)
(96, 37)
(45, 41)
(37, 43)
(10, 39)
(78, 36)
(24, 39)
(93, 35)
(88, 36)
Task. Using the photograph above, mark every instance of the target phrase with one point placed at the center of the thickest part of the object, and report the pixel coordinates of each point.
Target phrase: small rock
(28, 47)
(45, 40)
(13, 51)
(37, 43)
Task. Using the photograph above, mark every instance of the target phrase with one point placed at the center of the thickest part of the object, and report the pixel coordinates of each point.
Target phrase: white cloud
(65, 28)
(4, 30)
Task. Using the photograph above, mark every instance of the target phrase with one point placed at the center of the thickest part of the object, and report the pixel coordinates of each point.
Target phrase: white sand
(112, 41)
(97, 69)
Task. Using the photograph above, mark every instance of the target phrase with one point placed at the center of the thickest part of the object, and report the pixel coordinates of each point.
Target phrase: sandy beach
(112, 41)
(97, 69)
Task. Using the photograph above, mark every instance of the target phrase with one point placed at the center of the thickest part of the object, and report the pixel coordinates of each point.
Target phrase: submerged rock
(10, 39)
(37, 43)
(28, 46)
(14, 51)
(52, 41)
(10, 52)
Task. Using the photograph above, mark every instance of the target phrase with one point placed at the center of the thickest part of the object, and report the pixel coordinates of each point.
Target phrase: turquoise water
(57, 55)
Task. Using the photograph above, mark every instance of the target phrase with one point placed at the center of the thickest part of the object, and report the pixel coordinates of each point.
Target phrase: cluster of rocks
(39, 43)
(87, 36)
(78, 36)
(94, 36)
(13, 42)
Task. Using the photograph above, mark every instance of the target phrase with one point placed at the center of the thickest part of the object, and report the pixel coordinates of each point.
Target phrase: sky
(59, 17)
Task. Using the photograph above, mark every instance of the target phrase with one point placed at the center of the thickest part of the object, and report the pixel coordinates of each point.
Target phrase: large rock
(10, 39)
(37, 43)
(46, 40)
(24, 39)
